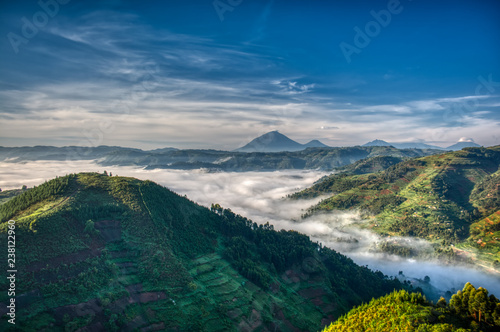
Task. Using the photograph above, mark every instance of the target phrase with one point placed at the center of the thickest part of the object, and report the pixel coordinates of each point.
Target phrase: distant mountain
(310, 158)
(313, 158)
(411, 145)
(277, 142)
(461, 145)
(271, 142)
(377, 142)
(315, 144)
(415, 145)
(109, 253)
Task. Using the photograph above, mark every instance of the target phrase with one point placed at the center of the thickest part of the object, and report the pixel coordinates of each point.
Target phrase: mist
(261, 197)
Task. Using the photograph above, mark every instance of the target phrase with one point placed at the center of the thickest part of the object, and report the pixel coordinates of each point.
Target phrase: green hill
(469, 310)
(114, 253)
(443, 198)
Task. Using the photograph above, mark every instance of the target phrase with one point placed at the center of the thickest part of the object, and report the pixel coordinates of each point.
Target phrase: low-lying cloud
(261, 196)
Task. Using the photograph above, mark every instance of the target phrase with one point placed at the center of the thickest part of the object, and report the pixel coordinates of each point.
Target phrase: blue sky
(215, 74)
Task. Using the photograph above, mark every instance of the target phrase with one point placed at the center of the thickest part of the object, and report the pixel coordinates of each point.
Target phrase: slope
(96, 252)
(436, 197)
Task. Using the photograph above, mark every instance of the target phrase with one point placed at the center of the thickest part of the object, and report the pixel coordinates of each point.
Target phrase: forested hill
(114, 253)
(453, 198)
(469, 310)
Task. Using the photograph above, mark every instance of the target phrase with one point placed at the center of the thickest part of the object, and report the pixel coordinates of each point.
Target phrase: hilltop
(96, 252)
(469, 310)
(452, 199)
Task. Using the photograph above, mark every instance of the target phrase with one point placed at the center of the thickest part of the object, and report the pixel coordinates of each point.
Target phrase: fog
(261, 196)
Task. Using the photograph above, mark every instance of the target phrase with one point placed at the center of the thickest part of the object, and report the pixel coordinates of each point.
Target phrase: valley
(213, 268)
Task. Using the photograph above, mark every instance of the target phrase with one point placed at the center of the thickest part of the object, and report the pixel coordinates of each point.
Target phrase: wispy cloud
(173, 88)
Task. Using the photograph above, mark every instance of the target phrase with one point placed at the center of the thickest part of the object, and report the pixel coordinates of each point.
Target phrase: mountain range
(271, 151)
(418, 145)
(311, 158)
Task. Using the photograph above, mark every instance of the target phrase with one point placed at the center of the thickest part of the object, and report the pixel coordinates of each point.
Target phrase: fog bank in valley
(260, 196)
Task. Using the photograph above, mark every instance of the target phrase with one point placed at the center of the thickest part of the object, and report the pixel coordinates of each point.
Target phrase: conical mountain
(271, 142)
(315, 144)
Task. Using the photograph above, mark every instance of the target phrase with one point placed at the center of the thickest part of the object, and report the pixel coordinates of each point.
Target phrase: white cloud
(185, 93)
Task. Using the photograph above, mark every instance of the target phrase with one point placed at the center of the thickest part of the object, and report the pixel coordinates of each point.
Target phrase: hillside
(111, 253)
(469, 310)
(370, 165)
(7, 195)
(452, 198)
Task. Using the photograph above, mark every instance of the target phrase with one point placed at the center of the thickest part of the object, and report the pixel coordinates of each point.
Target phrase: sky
(216, 74)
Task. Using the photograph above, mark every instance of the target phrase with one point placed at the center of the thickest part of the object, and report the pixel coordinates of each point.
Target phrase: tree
(480, 302)
(441, 302)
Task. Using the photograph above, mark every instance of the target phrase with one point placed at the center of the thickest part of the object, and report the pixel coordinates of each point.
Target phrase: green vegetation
(448, 199)
(469, 310)
(115, 253)
(371, 165)
(7, 195)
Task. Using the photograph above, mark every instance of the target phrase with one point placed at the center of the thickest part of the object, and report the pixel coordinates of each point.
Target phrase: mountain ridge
(310, 158)
(419, 145)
